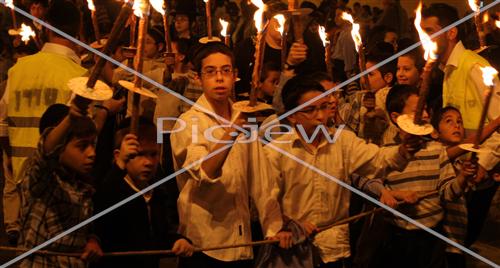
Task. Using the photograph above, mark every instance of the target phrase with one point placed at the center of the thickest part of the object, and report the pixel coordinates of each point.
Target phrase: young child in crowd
(143, 223)
(409, 68)
(56, 193)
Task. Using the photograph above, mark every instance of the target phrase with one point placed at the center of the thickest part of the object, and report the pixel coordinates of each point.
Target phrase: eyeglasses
(212, 72)
(313, 110)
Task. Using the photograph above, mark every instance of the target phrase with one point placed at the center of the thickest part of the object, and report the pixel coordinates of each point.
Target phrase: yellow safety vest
(460, 91)
(35, 83)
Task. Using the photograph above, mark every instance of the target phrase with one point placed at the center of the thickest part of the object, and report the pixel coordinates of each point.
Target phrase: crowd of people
(205, 174)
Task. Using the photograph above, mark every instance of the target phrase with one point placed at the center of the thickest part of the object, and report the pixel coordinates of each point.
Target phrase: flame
(9, 4)
(429, 46)
(137, 8)
(90, 4)
(486, 17)
(322, 34)
(158, 6)
(281, 21)
(473, 5)
(206, 1)
(497, 23)
(488, 75)
(26, 33)
(355, 30)
(259, 14)
(224, 25)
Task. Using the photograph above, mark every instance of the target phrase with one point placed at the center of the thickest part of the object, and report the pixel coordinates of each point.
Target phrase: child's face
(270, 83)
(407, 71)
(217, 77)
(375, 78)
(314, 114)
(79, 155)
(150, 48)
(143, 167)
(451, 128)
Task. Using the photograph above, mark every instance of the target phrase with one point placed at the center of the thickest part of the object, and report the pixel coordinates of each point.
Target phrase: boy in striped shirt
(428, 171)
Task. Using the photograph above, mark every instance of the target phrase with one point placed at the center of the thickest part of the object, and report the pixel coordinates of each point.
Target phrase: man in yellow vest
(463, 85)
(463, 88)
(34, 83)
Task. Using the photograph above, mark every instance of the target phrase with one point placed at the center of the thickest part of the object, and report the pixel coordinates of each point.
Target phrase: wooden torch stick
(424, 91)
(139, 61)
(95, 25)
(209, 19)
(111, 44)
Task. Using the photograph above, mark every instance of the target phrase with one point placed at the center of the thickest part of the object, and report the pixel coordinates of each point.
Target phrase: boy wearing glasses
(311, 198)
(214, 193)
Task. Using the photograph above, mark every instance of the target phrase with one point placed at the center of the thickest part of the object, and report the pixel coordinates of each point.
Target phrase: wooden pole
(209, 19)
(424, 91)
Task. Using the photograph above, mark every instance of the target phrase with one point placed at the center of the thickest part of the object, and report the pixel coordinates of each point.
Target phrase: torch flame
(489, 74)
(429, 46)
(497, 23)
(281, 21)
(91, 5)
(137, 8)
(158, 6)
(26, 33)
(322, 34)
(258, 15)
(9, 4)
(473, 5)
(224, 25)
(355, 30)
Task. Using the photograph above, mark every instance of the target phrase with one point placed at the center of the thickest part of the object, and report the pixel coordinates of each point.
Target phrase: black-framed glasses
(313, 110)
(211, 72)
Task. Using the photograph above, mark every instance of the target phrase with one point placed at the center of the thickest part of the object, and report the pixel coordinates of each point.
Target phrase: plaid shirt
(52, 202)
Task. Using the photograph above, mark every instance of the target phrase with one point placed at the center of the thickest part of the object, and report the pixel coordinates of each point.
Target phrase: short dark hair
(81, 127)
(148, 130)
(320, 76)
(295, 88)
(397, 97)
(209, 49)
(44, 3)
(183, 47)
(157, 34)
(390, 67)
(446, 15)
(65, 16)
(268, 67)
(438, 115)
(417, 56)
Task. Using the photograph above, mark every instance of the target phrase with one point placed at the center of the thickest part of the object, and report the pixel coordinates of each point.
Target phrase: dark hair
(397, 97)
(147, 130)
(446, 15)
(157, 34)
(417, 56)
(268, 67)
(209, 49)
(183, 47)
(54, 114)
(295, 88)
(320, 76)
(65, 16)
(390, 67)
(438, 115)
(82, 127)
(44, 3)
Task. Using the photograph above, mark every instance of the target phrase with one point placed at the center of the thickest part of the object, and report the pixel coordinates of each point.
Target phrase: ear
(116, 154)
(452, 34)
(394, 117)
(235, 73)
(435, 134)
(181, 57)
(388, 77)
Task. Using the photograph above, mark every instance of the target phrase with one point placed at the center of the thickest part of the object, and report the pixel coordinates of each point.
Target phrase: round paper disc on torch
(470, 147)
(14, 32)
(96, 45)
(205, 40)
(100, 92)
(244, 107)
(141, 91)
(405, 122)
